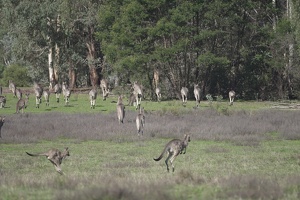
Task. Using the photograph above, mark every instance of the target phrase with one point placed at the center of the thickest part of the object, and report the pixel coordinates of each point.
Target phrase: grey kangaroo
(120, 110)
(140, 121)
(22, 103)
(173, 149)
(55, 157)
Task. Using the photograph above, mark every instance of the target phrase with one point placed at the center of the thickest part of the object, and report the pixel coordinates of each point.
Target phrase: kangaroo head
(66, 152)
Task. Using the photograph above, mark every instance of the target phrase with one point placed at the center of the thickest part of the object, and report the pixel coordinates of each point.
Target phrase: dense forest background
(250, 46)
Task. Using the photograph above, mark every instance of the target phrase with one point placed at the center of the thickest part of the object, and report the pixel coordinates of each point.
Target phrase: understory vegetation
(233, 154)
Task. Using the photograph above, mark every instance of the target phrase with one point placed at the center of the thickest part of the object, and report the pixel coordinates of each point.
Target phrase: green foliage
(18, 74)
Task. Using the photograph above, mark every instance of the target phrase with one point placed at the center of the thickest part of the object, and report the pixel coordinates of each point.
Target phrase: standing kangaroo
(184, 92)
(158, 93)
(120, 110)
(55, 157)
(12, 87)
(19, 93)
(231, 95)
(38, 90)
(173, 149)
(1, 124)
(93, 97)
(104, 88)
(197, 94)
(140, 121)
(57, 91)
(46, 94)
(22, 103)
(137, 91)
(66, 92)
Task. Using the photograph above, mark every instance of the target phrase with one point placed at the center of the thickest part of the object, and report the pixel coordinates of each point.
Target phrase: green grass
(120, 165)
(204, 172)
(79, 103)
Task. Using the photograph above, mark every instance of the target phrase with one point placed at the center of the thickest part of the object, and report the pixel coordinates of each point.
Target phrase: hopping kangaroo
(66, 92)
(158, 93)
(57, 91)
(137, 91)
(173, 149)
(197, 94)
(38, 90)
(22, 103)
(2, 101)
(184, 92)
(120, 110)
(104, 88)
(231, 95)
(140, 121)
(93, 97)
(46, 94)
(55, 157)
(1, 124)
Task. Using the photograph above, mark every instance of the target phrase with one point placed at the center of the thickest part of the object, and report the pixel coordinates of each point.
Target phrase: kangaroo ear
(67, 148)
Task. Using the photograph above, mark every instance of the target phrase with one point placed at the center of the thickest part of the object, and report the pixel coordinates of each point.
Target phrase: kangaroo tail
(161, 155)
(30, 154)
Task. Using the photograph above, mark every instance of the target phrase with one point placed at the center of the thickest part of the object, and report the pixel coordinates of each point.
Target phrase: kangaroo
(2, 101)
(38, 90)
(12, 87)
(140, 121)
(173, 149)
(57, 91)
(131, 100)
(55, 157)
(197, 94)
(231, 95)
(120, 110)
(93, 97)
(137, 91)
(104, 88)
(22, 103)
(184, 92)
(158, 93)
(46, 94)
(1, 124)
(66, 92)
(19, 93)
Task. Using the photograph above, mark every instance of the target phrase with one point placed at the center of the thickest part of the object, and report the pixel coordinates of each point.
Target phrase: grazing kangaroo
(38, 90)
(137, 91)
(19, 93)
(197, 94)
(22, 103)
(104, 88)
(2, 101)
(184, 92)
(66, 92)
(173, 149)
(57, 91)
(93, 97)
(55, 157)
(231, 95)
(46, 94)
(120, 110)
(140, 121)
(158, 93)
(12, 87)
(1, 124)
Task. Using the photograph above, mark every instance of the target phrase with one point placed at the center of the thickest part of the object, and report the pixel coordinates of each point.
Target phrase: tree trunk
(72, 75)
(91, 57)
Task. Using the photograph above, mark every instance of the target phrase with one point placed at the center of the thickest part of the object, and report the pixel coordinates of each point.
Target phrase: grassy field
(246, 151)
